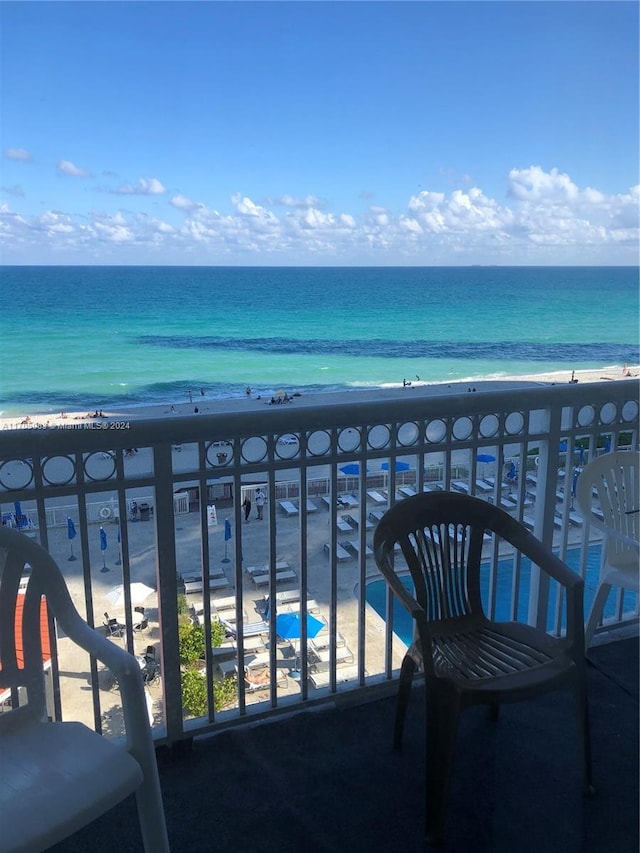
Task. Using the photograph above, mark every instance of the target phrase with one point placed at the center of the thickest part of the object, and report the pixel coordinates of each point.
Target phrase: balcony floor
(328, 782)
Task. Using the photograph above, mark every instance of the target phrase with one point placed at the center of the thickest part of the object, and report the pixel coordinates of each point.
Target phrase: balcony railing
(160, 502)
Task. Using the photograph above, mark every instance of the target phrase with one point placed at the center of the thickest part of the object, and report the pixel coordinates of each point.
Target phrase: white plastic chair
(56, 777)
(612, 480)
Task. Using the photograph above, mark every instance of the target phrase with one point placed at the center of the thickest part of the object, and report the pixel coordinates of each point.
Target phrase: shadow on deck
(329, 782)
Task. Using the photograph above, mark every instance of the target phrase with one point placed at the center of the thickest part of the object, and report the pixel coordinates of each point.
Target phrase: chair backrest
(25, 623)
(441, 535)
(612, 481)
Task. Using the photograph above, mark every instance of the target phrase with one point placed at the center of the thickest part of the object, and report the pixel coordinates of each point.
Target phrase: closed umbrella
(103, 548)
(71, 534)
(227, 536)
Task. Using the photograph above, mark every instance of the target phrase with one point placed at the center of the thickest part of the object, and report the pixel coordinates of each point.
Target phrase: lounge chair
(376, 514)
(355, 523)
(376, 497)
(198, 586)
(214, 574)
(354, 545)
(341, 554)
(281, 565)
(260, 679)
(311, 507)
(323, 656)
(288, 508)
(343, 525)
(280, 577)
(407, 491)
(348, 500)
(318, 680)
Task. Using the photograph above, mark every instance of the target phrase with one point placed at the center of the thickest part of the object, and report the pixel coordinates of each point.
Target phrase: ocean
(80, 338)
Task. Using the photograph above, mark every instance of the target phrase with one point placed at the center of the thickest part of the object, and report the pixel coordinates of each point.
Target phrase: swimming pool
(403, 623)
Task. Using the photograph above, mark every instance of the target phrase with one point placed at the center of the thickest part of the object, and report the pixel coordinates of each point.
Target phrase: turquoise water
(403, 623)
(87, 337)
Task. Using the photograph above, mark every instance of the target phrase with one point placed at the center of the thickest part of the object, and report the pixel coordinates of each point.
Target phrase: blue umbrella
(399, 466)
(485, 457)
(607, 444)
(227, 536)
(581, 456)
(512, 474)
(103, 548)
(71, 534)
(351, 469)
(21, 520)
(289, 626)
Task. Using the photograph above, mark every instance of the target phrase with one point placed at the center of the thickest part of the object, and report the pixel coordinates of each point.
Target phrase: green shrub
(194, 692)
(190, 643)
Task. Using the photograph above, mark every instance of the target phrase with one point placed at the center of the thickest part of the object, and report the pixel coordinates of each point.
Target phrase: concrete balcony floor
(329, 782)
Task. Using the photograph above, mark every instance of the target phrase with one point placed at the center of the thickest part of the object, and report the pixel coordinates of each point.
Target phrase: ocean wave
(375, 347)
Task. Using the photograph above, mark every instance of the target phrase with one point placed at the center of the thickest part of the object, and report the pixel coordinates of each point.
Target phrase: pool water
(403, 623)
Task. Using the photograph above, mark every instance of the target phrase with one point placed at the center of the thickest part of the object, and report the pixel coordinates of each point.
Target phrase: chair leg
(441, 729)
(584, 729)
(404, 691)
(597, 609)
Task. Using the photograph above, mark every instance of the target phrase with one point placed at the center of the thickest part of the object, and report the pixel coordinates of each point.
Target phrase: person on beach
(248, 391)
(190, 395)
(246, 505)
(260, 499)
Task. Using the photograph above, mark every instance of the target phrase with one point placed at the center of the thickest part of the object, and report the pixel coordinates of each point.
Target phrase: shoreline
(204, 405)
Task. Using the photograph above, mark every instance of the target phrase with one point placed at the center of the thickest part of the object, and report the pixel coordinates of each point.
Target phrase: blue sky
(321, 133)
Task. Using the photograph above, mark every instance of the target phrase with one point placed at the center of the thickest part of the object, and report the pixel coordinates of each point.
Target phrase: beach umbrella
(512, 473)
(581, 456)
(103, 548)
(227, 536)
(607, 444)
(289, 626)
(351, 469)
(139, 592)
(485, 459)
(71, 534)
(399, 466)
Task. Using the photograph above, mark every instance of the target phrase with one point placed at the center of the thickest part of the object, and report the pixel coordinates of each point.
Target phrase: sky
(319, 133)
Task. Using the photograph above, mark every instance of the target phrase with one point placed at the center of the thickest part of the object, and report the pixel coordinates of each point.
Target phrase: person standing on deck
(260, 499)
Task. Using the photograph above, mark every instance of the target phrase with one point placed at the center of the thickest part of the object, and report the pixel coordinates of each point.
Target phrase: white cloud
(19, 154)
(544, 218)
(66, 167)
(145, 186)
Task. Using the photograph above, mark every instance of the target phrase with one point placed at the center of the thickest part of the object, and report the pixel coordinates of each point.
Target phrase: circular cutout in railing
(254, 449)
(408, 434)
(58, 470)
(219, 453)
(378, 437)
(319, 443)
(586, 416)
(436, 431)
(630, 411)
(462, 428)
(100, 465)
(16, 474)
(514, 423)
(287, 446)
(489, 426)
(349, 439)
(608, 413)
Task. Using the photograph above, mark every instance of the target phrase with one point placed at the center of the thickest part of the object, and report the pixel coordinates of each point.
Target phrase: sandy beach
(203, 405)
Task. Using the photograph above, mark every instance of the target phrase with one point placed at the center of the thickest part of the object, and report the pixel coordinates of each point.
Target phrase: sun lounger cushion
(341, 554)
